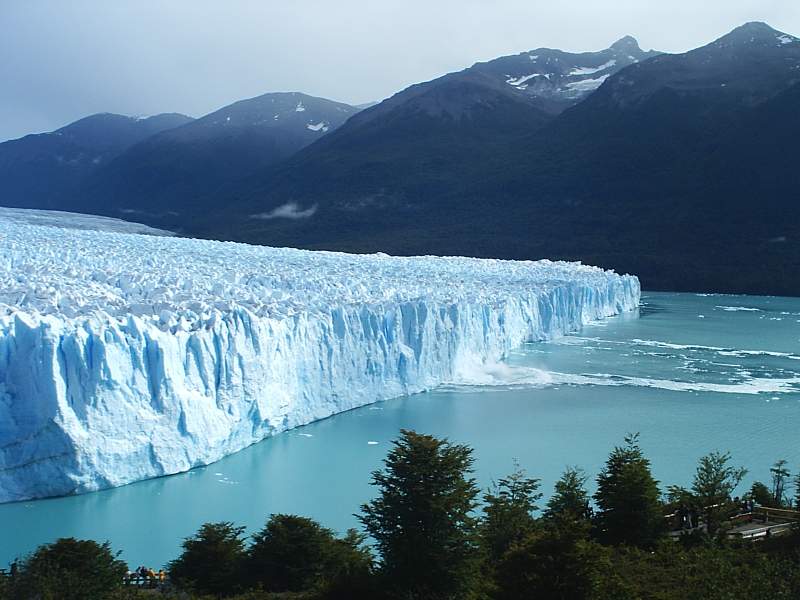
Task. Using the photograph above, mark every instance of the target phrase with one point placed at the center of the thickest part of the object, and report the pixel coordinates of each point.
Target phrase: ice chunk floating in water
(125, 356)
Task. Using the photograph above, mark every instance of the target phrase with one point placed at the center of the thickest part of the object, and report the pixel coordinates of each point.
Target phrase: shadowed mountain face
(42, 170)
(165, 176)
(678, 168)
(407, 155)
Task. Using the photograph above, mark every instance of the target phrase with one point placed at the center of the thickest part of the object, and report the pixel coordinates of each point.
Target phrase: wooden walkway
(764, 522)
(145, 581)
(761, 523)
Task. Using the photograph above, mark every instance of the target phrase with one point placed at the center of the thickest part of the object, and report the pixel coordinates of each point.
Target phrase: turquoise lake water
(691, 373)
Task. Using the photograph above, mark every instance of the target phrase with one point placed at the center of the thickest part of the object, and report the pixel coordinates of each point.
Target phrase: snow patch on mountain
(519, 81)
(586, 85)
(125, 356)
(592, 70)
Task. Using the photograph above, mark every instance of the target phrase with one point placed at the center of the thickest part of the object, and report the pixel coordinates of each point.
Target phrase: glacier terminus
(126, 356)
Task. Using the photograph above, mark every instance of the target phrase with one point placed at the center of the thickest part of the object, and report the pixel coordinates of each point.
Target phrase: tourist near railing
(146, 578)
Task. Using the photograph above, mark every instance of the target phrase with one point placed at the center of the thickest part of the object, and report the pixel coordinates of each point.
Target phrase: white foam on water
(516, 377)
(716, 349)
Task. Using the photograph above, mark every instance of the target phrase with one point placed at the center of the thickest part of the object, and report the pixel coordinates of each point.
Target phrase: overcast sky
(64, 59)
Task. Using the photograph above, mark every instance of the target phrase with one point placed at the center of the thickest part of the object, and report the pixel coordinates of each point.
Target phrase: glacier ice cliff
(125, 356)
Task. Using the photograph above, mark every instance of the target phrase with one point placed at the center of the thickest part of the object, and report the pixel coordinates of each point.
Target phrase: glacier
(126, 356)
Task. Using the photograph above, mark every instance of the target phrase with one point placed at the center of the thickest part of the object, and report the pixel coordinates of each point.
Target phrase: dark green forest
(430, 533)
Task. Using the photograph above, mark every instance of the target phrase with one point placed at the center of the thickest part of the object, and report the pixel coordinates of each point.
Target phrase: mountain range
(44, 170)
(676, 167)
(163, 176)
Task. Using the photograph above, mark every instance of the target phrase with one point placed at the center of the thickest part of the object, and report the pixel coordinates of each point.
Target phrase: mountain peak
(753, 27)
(755, 31)
(626, 43)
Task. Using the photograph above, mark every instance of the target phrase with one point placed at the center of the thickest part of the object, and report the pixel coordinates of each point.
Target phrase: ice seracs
(127, 356)
(57, 218)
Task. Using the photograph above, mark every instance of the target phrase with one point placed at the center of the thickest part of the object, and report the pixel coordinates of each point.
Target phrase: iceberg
(126, 356)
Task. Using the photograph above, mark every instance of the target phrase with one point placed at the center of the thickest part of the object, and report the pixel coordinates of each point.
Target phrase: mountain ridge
(407, 151)
(165, 174)
(677, 167)
(651, 174)
(41, 170)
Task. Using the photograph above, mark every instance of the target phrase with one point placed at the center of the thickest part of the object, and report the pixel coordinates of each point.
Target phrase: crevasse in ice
(125, 356)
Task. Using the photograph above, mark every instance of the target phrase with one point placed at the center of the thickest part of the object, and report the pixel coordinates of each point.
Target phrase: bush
(552, 564)
(297, 554)
(69, 569)
(710, 572)
(212, 560)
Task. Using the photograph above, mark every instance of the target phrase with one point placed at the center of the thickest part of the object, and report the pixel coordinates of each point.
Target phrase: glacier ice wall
(125, 356)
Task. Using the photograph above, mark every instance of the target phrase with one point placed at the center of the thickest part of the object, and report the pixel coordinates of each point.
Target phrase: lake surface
(691, 373)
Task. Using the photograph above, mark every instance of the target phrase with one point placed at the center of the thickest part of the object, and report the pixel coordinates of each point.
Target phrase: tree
(69, 569)
(797, 492)
(713, 485)
(350, 575)
(780, 475)
(570, 500)
(289, 554)
(797, 504)
(760, 494)
(629, 508)
(421, 519)
(555, 564)
(556, 560)
(212, 560)
(508, 514)
(297, 554)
